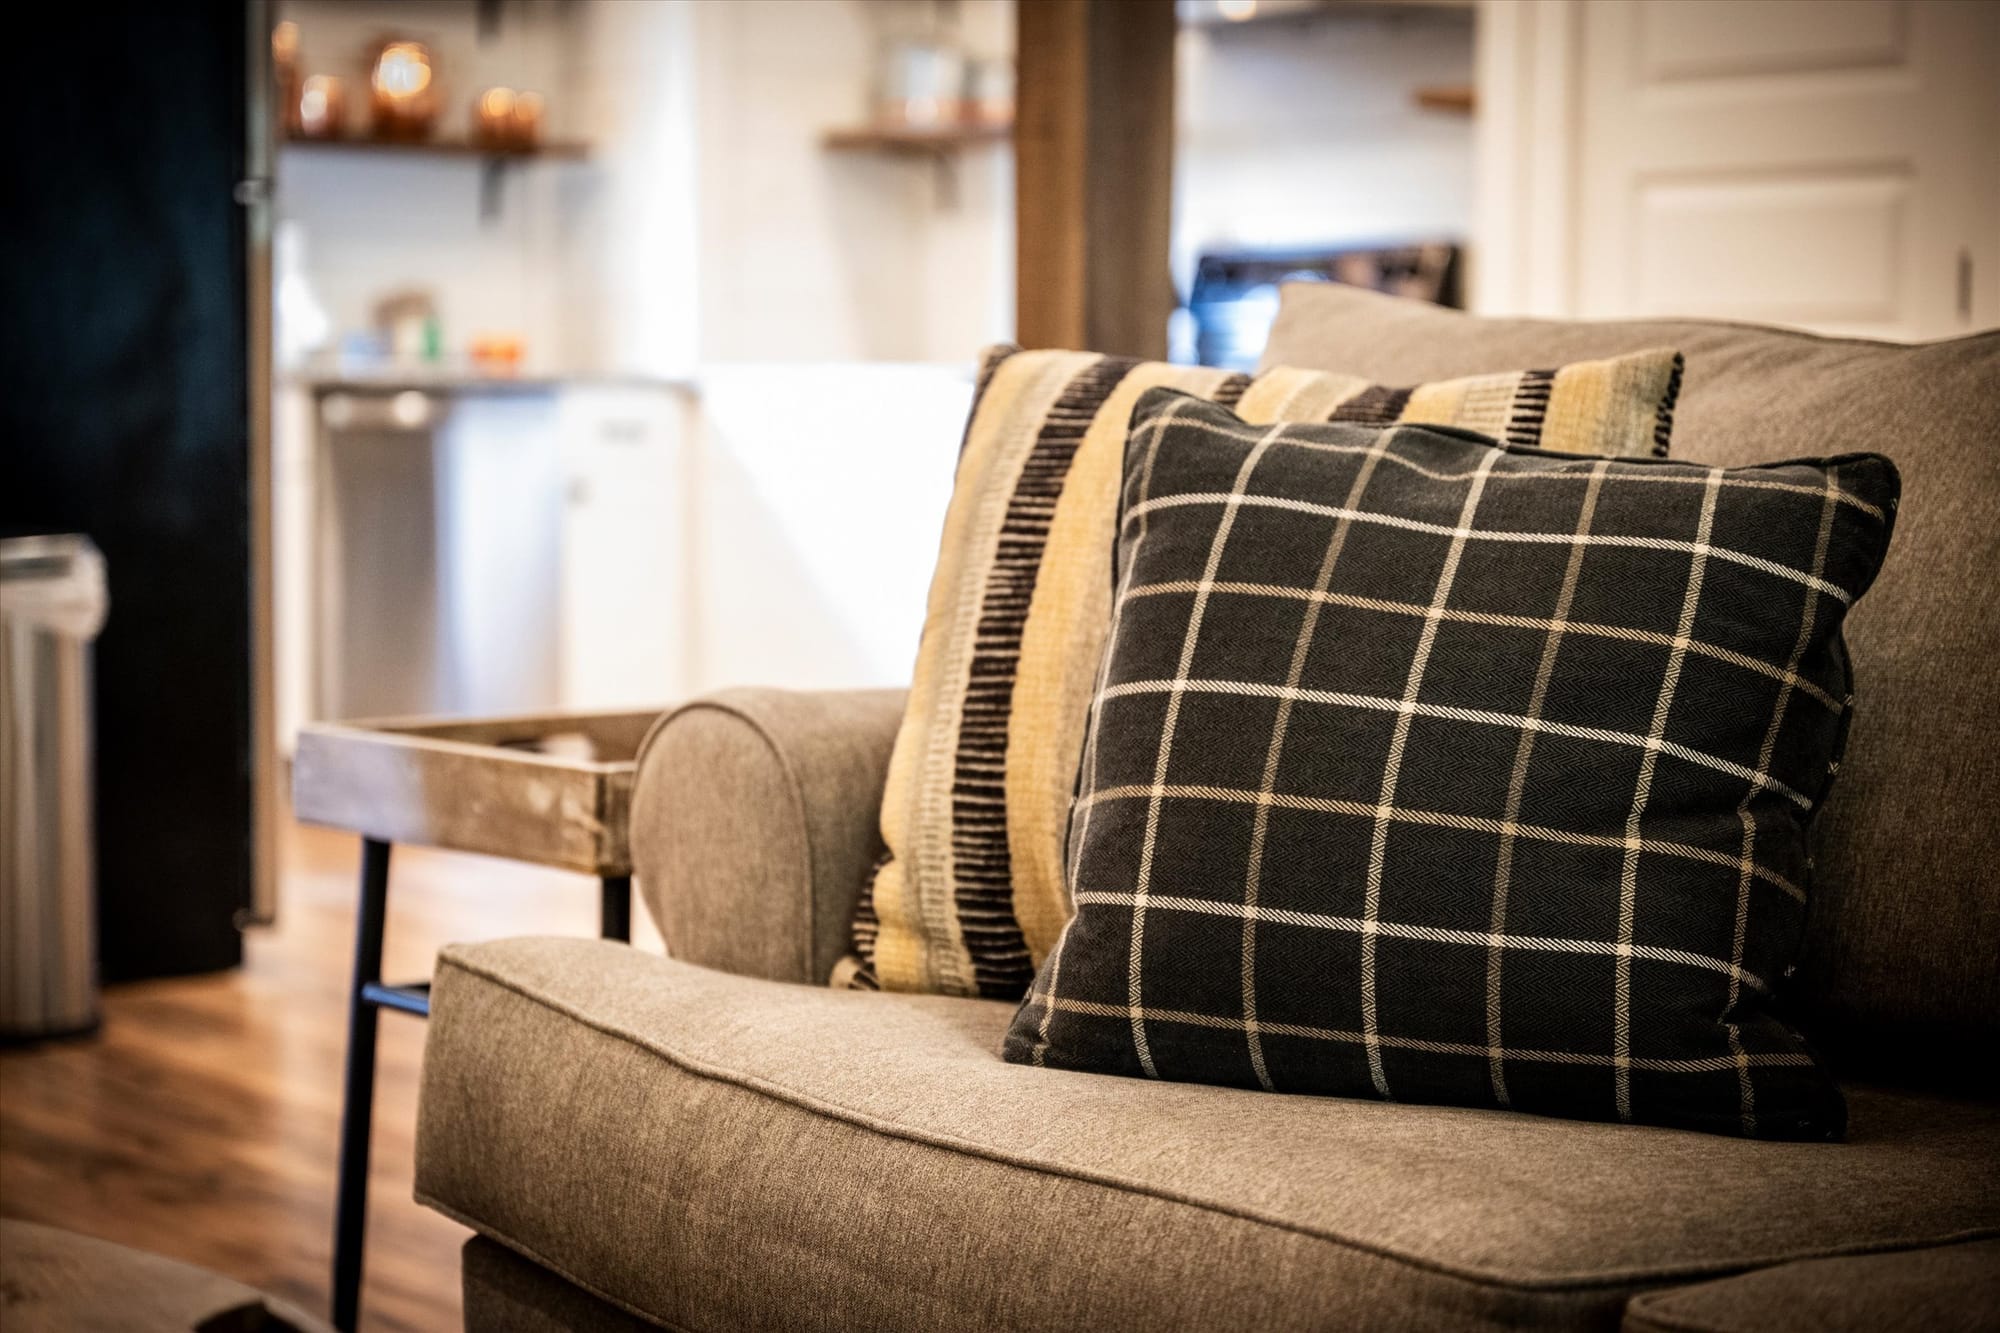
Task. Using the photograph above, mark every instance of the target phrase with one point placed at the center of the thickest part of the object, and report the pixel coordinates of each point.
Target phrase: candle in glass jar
(493, 117)
(529, 109)
(322, 109)
(405, 92)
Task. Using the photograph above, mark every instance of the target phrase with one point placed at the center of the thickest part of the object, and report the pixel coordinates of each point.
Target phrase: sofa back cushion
(1901, 970)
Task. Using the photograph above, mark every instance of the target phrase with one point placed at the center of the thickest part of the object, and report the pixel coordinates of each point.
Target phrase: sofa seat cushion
(717, 1152)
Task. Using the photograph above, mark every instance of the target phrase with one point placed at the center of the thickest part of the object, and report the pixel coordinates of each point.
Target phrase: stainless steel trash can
(52, 604)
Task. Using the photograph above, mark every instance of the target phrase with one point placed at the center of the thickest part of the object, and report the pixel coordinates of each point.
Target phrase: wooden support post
(1093, 174)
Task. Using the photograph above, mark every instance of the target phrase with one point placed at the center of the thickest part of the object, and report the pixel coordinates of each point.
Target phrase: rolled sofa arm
(755, 820)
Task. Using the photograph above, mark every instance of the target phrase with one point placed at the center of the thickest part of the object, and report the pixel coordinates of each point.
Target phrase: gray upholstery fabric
(505, 1293)
(1902, 962)
(55, 1281)
(755, 820)
(727, 1153)
(1938, 1289)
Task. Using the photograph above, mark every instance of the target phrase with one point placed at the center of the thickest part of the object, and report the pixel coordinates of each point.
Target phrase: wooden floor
(201, 1123)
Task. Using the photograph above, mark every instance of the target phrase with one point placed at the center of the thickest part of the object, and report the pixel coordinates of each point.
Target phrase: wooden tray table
(553, 789)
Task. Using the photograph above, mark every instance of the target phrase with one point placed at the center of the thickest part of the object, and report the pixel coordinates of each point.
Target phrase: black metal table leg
(614, 908)
(366, 999)
(358, 1093)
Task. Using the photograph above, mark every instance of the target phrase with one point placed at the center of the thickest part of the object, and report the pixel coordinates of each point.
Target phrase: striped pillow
(969, 898)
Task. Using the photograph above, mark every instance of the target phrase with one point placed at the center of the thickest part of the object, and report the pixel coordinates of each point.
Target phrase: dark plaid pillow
(1430, 770)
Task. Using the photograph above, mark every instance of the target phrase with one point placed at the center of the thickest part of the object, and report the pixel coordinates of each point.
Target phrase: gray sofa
(715, 1141)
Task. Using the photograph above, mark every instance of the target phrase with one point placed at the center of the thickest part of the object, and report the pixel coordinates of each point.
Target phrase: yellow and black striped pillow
(969, 898)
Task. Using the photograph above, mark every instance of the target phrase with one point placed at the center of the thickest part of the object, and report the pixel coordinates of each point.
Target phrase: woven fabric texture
(970, 896)
(839, 1161)
(1428, 771)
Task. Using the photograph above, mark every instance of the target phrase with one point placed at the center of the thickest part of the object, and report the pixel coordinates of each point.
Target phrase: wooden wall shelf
(1455, 100)
(494, 161)
(559, 149)
(915, 139)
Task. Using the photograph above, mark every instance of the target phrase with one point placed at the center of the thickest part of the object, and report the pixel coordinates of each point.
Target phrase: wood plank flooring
(201, 1123)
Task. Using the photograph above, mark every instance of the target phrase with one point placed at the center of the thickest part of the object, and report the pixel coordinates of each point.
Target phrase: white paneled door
(1833, 164)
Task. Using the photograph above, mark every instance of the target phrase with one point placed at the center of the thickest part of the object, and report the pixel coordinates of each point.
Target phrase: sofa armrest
(1931, 1289)
(755, 821)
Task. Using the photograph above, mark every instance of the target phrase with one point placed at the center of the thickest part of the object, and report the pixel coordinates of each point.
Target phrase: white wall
(808, 255)
(1302, 131)
(823, 494)
(633, 260)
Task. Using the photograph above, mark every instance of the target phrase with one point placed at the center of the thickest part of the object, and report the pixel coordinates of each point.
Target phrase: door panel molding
(1827, 165)
(1678, 42)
